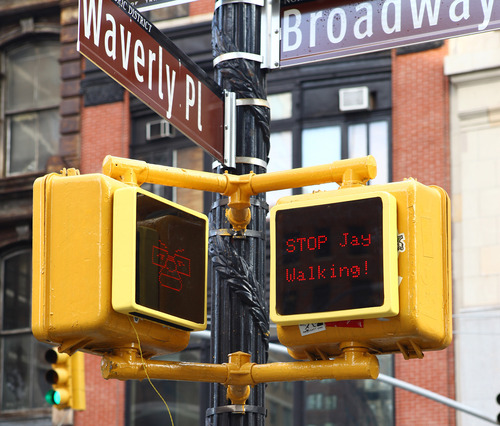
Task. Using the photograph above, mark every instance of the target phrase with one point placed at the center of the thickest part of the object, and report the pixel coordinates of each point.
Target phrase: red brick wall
(105, 130)
(105, 399)
(421, 150)
(200, 7)
(421, 118)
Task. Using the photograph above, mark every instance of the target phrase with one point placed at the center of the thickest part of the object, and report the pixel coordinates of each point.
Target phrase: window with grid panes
(22, 364)
(31, 89)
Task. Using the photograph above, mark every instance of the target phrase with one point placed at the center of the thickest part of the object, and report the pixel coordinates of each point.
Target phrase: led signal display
(159, 260)
(334, 259)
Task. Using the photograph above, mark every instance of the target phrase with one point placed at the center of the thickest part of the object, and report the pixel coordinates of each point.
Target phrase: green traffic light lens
(53, 397)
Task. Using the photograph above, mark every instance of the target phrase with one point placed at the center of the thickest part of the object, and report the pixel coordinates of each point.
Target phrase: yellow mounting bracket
(239, 188)
(239, 374)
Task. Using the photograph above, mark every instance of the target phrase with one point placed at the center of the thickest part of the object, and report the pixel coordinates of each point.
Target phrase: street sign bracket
(270, 34)
(229, 129)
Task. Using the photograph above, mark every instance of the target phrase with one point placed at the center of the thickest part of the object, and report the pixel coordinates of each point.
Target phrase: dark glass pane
(23, 140)
(183, 398)
(33, 75)
(21, 66)
(350, 402)
(48, 136)
(23, 371)
(17, 291)
(15, 372)
(48, 76)
(34, 138)
(279, 397)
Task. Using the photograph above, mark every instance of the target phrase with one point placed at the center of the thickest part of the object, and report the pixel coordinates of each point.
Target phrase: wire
(146, 370)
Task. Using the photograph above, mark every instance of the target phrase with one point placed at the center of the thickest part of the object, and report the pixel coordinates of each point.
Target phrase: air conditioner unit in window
(159, 129)
(355, 99)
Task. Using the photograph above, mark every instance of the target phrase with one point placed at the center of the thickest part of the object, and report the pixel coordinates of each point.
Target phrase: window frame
(7, 114)
(31, 410)
(296, 125)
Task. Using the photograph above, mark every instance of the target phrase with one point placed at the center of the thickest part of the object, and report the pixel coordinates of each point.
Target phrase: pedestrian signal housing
(367, 264)
(73, 254)
(159, 260)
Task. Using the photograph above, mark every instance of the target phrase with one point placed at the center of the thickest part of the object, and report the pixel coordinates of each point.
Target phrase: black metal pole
(239, 309)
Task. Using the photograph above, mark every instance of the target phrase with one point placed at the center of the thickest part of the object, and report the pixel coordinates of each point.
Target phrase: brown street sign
(119, 40)
(322, 29)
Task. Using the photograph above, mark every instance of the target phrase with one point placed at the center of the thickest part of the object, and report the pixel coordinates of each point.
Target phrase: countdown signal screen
(334, 260)
(159, 260)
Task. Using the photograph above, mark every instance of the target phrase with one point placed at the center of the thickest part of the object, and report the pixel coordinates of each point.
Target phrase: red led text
(325, 272)
(312, 272)
(349, 239)
(316, 242)
(305, 243)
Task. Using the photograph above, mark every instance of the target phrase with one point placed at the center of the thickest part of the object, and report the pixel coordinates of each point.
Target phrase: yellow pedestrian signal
(334, 259)
(159, 260)
(73, 253)
(366, 264)
(67, 379)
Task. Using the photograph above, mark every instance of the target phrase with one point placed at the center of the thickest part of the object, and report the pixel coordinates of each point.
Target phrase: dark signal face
(329, 257)
(170, 260)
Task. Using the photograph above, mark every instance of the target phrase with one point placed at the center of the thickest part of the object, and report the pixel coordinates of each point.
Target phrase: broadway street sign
(125, 45)
(322, 29)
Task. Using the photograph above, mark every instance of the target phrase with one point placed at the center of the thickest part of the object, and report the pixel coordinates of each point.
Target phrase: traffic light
(367, 264)
(67, 379)
(80, 230)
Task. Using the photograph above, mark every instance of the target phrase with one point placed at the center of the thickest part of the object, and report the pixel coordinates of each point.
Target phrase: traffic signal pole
(239, 317)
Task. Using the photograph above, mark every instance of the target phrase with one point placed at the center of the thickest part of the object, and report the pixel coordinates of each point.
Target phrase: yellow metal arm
(239, 374)
(239, 188)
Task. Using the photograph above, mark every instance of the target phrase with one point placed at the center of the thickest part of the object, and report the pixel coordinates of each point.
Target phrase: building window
(32, 98)
(166, 13)
(22, 364)
(300, 142)
(186, 400)
(350, 402)
(156, 142)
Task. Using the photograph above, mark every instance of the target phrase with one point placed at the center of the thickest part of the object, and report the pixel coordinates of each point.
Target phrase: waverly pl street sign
(322, 29)
(119, 40)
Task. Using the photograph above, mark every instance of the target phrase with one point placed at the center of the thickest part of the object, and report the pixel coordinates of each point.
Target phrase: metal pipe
(435, 397)
(125, 364)
(354, 363)
(360, 170)
(120, 168)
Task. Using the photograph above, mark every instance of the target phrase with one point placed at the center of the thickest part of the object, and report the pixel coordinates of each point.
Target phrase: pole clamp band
(257, 202)
(253, 102)
(244, 160)
(251, 160)
(237, 409)
(237, 234)
(220, 3)
(237, 55)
